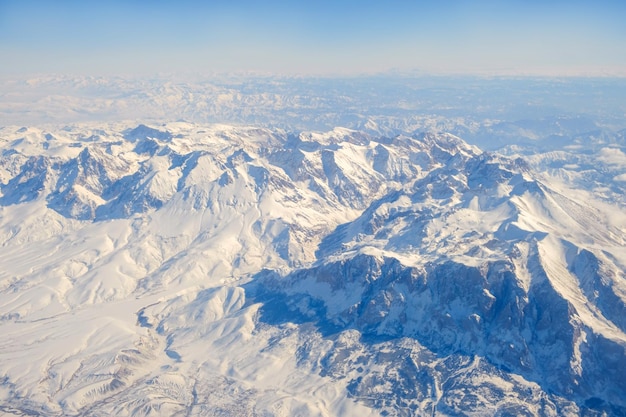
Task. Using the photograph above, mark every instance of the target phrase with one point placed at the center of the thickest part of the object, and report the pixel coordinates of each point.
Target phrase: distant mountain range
(491, 112)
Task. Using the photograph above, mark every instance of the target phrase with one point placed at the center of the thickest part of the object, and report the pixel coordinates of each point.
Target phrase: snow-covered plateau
(198, 269)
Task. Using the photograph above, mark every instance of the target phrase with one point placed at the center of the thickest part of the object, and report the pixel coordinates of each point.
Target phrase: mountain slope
(480, 259)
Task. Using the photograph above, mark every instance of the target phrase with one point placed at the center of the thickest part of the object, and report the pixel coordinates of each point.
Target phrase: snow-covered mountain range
(489, 112)
(203, 269)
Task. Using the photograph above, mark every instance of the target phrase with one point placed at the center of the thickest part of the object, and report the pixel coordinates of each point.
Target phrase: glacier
(185, 268)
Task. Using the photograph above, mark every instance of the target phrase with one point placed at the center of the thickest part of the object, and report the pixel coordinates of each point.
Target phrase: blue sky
(313, 37)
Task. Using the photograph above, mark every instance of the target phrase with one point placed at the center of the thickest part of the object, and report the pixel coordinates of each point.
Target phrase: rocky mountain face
(218, 270)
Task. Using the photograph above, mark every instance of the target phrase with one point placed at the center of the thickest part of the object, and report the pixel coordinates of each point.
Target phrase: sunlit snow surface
(186, 268)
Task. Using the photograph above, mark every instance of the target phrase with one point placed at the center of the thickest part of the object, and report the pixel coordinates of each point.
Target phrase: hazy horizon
(297, 38)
